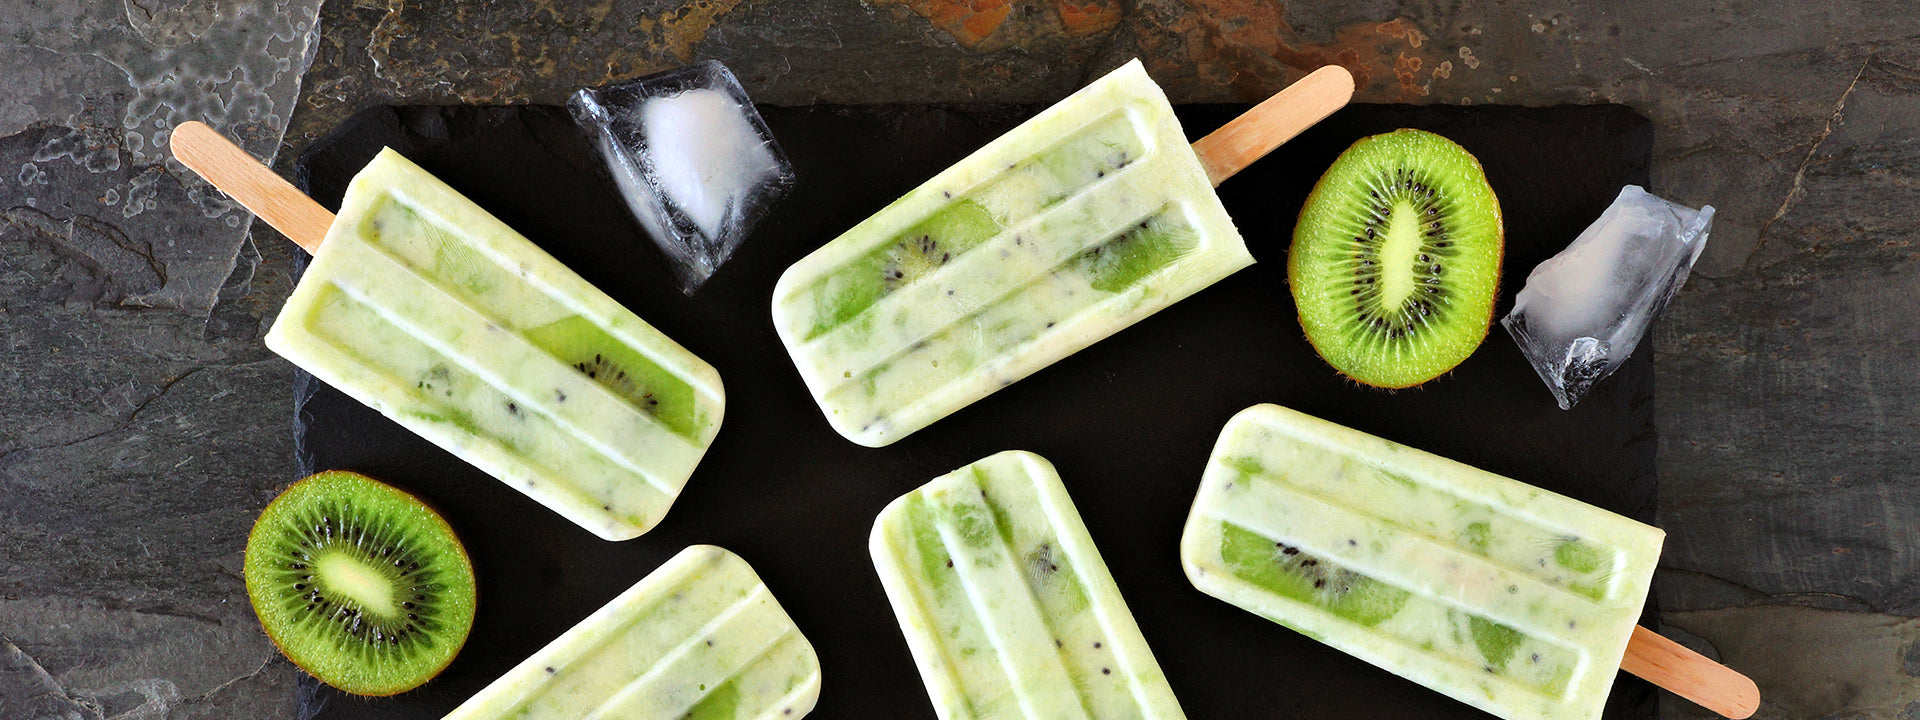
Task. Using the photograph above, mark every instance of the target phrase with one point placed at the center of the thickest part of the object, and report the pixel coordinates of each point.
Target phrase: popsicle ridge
(380, 385)
(1008, 610)
(978, 219)
(510, 355)
(1507, 597)
(987, 271)
(504, 284)
(1429, 620)
(1005, 606)
(1537, 550)
(1091, 215)
(488, 325)
(943, 364)
(637, 658)
(752, 618)
(428, 309)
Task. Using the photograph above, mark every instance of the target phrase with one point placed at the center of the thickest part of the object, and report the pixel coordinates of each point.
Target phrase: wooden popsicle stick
(1690, 675)
(1274, 121)
(250, 183)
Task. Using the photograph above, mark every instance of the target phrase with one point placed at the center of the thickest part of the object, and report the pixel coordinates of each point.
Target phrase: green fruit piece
(360, 584)
(1153, 244)
(1496, 642)
(1579, 556)
(1396, 259)
(1290, 572)
(622, 370)
(931, 243)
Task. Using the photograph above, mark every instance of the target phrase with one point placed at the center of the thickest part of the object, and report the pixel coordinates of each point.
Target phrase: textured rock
(143, 425)
(104, 84)
(96, 660)
(1788, 391)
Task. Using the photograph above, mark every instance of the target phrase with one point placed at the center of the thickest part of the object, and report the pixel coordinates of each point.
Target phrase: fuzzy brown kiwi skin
(1496, 256)
(459, 558)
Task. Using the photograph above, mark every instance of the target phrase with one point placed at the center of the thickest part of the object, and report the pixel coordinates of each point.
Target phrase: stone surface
(129, 295)
(92, 660)
(1787, 460)
(1816, 663)
(143, 425)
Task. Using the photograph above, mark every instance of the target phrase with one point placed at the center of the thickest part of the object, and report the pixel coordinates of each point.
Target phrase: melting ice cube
(694, 161)
(1583, 311)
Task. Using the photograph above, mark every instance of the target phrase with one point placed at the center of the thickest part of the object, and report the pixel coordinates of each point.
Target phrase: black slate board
(1128, 422)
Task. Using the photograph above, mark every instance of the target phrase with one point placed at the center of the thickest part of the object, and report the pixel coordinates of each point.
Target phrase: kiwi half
(360, 584)
(1396, 259)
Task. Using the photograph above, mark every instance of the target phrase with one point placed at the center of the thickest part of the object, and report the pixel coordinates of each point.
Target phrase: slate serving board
(1128, 422)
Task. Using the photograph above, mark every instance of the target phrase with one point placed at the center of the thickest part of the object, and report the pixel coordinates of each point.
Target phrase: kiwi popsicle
(1086, 218)
(700, 637)
(1512, 599)
(428, 309)
(1005, 603)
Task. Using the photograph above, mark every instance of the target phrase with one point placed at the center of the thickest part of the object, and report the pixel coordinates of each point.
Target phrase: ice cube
(693, 160)
(1584, 310)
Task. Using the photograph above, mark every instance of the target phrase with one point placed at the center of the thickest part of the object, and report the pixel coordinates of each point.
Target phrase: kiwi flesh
(1291, 572)
(1136, 253)
(919, 250)
(621, 369)
(359, 583)
(1396, 259)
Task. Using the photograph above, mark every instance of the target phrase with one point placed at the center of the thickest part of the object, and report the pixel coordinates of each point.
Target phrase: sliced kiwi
(359, 583)
(1291, 572)
(1396, 259)
(622, 370)
(927, 245)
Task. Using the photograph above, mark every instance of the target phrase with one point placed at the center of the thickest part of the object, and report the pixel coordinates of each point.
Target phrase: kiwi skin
(1375, 313)
(339, 519)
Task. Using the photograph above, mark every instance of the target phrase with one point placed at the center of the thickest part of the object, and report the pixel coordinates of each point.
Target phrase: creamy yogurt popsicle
(1006, 604)
(1504, 596)
(428, 309)
(700, 637)
(1083, 220)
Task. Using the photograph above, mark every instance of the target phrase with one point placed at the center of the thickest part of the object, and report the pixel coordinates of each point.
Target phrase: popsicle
(700, 637)
(1085, 219)
(421, 305)
(1005, 602)
(1512, 599)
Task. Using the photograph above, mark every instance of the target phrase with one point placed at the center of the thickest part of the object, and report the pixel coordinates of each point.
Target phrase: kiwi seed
(1396, 259)
(359, 583)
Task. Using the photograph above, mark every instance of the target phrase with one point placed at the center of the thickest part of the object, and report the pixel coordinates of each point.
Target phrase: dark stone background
(142, 425)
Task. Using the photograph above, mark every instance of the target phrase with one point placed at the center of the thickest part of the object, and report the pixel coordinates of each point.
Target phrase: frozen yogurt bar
(1082, 221)
(699, 638)
(1504, 596)
(1006, 604)
(431, 311)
